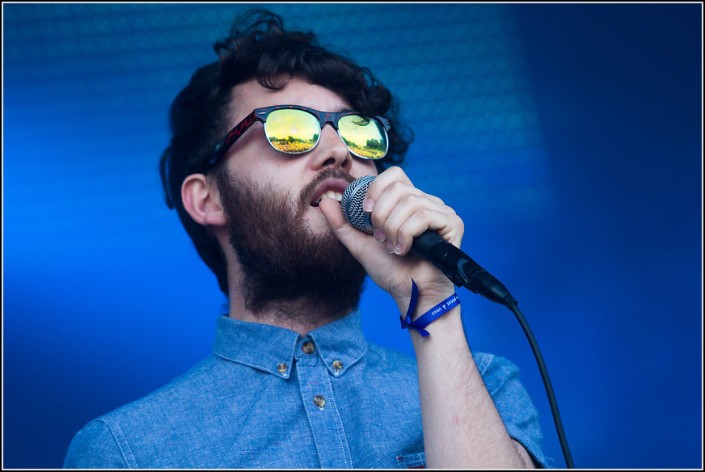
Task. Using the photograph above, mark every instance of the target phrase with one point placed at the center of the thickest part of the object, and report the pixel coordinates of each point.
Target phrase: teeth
(331, 194)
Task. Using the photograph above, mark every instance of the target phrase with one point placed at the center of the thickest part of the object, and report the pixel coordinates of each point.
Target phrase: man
(264, 143)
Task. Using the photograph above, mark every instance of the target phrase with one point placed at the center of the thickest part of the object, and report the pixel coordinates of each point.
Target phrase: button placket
(319, 402)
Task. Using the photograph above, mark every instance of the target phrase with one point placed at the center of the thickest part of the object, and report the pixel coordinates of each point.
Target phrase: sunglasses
(294, 129)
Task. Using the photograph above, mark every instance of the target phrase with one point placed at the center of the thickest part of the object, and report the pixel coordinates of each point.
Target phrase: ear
(202, 201)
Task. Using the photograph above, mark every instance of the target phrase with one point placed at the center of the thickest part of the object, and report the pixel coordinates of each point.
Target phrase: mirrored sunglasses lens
(292, 131)
(365, 137)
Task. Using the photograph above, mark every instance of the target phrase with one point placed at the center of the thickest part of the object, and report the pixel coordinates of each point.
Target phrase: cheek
(363, 167)
(258, 162)
(266, 171)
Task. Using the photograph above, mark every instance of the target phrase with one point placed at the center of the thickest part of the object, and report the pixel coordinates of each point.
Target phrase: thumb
(357, 242)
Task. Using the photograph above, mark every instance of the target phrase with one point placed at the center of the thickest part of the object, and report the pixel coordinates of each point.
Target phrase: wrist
(424, 305)
(425, 300)
(418, 317)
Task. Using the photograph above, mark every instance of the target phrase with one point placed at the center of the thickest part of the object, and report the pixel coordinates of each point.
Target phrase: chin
(316, 222)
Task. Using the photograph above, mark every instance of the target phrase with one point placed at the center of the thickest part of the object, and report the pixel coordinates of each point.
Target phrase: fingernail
(397, 249)
(389, 247)
(368, 204)
(379, 235)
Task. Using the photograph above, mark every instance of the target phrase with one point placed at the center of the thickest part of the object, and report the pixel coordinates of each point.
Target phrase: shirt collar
(272, 349)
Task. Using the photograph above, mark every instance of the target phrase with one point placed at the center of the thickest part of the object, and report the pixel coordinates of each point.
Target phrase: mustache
(307, 192)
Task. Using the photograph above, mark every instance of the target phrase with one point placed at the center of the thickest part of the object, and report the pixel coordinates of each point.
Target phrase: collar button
(308, 347)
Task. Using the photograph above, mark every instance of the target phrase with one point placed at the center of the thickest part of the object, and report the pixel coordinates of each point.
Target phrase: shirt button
(337, 366)
(307, 347)
(282, 368)
(319, 401)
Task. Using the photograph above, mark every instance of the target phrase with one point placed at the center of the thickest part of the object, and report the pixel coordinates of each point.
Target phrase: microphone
(454, 263)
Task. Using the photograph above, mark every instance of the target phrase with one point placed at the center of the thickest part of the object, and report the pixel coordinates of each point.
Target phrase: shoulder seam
(122, 444)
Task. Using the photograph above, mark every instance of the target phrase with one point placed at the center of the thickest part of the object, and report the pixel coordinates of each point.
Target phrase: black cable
(512, 305)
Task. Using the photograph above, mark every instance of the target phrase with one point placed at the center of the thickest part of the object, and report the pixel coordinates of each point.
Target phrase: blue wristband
(430, 316)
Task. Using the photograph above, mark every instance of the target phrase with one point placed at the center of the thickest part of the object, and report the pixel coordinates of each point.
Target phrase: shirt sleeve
(513, 403)
(96, 447)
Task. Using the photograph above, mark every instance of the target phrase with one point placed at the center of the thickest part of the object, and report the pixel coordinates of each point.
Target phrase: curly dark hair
(259, 47)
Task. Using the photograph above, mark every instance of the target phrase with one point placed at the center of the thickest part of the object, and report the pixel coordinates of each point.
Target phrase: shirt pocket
(412, 461)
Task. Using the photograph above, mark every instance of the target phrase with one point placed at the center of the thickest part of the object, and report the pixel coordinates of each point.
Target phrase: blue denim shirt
(269, 397)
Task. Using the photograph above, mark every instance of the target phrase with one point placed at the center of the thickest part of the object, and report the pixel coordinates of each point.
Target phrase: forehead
(250, 95)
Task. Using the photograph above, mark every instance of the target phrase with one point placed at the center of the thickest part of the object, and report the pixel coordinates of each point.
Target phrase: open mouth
(335, 195)
(329, 188)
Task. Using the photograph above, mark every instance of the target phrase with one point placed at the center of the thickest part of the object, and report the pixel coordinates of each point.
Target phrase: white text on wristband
(430, 316)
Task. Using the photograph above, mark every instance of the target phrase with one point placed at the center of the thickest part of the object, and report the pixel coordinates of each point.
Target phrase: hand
(399, 213)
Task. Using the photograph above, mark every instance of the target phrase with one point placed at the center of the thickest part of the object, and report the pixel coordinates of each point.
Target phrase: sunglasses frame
(261, 114)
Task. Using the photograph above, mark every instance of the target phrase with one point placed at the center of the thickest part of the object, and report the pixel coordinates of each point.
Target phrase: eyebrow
(344, 109)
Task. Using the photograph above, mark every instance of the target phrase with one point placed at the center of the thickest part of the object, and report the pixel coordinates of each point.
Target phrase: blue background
(568, 137)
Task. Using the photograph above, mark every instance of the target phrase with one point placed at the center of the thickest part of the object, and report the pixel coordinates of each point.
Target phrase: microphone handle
(460, 268)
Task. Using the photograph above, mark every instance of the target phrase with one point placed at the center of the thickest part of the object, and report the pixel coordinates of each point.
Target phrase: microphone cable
(513, 306)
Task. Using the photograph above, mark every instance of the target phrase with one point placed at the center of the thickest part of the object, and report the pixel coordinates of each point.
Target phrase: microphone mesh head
(352, 204)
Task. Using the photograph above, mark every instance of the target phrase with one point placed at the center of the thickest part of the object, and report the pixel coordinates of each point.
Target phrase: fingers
(401, 212)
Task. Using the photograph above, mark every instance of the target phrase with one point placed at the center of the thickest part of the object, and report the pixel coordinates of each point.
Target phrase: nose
(331, 151)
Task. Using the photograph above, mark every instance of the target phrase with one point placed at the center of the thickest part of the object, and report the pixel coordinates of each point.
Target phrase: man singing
(264, 142)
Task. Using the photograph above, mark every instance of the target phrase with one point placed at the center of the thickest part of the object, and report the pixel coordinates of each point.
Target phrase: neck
(301, 315)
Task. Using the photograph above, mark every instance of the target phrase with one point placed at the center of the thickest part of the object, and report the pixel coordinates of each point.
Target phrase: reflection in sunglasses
(294, 145)
(297, 131)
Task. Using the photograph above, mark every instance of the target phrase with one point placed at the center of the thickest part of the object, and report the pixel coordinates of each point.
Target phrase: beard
(289, 270)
